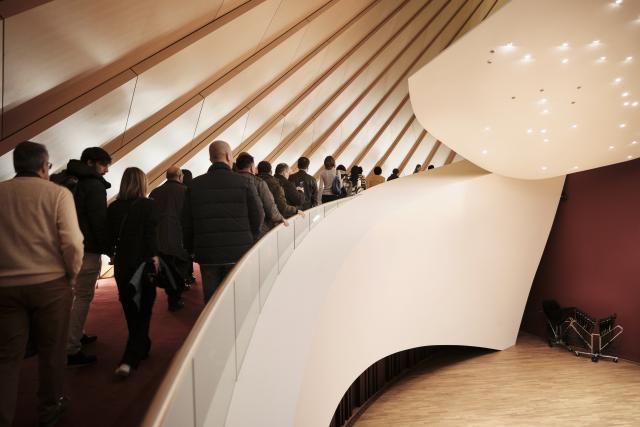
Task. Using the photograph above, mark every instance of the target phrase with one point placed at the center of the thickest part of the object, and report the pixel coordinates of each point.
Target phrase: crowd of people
(56, 230)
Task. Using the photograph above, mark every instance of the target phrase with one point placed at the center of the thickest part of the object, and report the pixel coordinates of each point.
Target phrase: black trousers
(212, 276)
(180, 271)
(326, 198)
(138, 318)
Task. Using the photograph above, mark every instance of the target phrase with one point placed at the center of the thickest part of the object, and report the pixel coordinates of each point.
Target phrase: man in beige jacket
(40, 256)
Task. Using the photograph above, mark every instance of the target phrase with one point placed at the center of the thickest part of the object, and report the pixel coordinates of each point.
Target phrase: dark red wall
(592, 257)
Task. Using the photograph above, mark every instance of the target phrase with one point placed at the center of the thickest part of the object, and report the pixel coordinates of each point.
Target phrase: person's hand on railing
(285, 222)
(301, 213)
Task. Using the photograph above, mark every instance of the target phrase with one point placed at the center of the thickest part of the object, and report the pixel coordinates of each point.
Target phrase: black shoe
(88, 339)
(54, 414)
(175, 306)
(80, 359)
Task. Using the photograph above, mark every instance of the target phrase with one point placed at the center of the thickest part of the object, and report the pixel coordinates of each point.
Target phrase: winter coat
(306, 181)
(294, 197)
(272, 216)
(133, 233)
(169, 201)
(279, 198)
(222, 216)
(91, 205)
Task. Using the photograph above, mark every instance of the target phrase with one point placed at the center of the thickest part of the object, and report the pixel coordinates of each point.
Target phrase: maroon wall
(592, 257)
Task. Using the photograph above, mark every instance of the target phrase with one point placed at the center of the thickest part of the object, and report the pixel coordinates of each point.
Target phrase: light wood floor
(529, 384)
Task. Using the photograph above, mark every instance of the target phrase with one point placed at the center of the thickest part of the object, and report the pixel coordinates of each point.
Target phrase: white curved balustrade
(446, 258)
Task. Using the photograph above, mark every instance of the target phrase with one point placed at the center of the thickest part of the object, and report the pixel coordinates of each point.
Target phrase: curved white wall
(444, 258)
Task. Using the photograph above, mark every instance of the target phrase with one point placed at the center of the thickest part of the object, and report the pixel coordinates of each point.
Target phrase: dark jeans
(44, 309)
(326, 198)
(212, 276)
(138, 318)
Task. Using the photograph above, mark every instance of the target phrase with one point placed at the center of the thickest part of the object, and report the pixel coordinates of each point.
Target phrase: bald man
(169, 198)
(222, 218)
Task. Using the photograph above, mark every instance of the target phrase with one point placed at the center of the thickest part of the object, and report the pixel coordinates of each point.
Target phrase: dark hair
(377, 170)
(430, 167)
(244, 161)
(28, 157)
(187, 177)
(95, 154)
(281, 168)
(329, 162)
(341, 168)
(264, 167)
(303, 163)
(396, 171)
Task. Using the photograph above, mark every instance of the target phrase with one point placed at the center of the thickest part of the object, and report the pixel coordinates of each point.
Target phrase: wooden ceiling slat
(413, 149)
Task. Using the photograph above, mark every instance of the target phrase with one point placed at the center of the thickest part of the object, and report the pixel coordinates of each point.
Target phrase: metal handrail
(166, 392)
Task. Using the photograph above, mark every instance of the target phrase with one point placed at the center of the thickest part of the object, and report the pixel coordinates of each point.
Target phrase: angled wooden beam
(379, 133)
(413, 149)
(251, 140)
(210, 86)
(13, 7)
(325, 135)
(430, 156)
(43, 111)
(402, 77)
(395, 142)
(450, 157)
(284, 144)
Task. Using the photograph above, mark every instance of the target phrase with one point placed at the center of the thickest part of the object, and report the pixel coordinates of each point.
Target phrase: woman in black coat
(132, 225)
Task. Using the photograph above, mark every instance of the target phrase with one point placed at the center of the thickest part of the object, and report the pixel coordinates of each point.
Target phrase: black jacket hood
(83, 171)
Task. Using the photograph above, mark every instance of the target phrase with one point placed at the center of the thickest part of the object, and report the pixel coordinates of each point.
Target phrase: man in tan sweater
(40, 256)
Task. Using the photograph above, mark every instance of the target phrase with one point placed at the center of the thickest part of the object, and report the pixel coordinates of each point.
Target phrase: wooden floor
(529, 384)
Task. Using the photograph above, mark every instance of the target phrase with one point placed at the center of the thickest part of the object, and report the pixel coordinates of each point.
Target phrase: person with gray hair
(40, 257)
(169, 200)
(222, 218)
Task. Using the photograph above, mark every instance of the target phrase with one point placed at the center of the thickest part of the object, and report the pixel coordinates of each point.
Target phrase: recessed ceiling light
(544, 168)
(565, 60)
(509, 45)
(634, 142)
(543, 131)
(629, 157)
(527, 57)
(487, 129)
(634, 104)
(625, 94)
(542, 101)
(575, 167)
(602, 59)
(546, 140)
(484, 151)
(574, 126)
(611, 147)
(529, 130)
(628, 58)
(622, 125)
(625, 103)
(565, 44)
(618, 80)
(595, 42)
(618, 1)
(545, 111)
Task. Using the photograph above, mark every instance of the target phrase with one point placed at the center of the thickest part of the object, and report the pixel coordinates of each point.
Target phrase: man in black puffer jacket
(222, 218)
(90, 195)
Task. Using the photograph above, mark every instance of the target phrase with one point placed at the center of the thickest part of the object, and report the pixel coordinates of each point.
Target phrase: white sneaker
(123, 370)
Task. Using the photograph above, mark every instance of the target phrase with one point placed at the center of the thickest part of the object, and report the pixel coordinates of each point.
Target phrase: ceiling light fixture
(543, 131)
(634, 142)
(629, 157)
(625, 94)
(545, 111)
(628, 58)
(595, 42)
(618, 80)
(574, 126)
(484, 151)
(575, 168)
(565, 60)
(529, 130)
(527, 57)
(565, 45)
(546, 140)
(625, 103)
(634, 104)
(611, 147)
(487, 129)
(602, 59)
(544, 168)
(622, 125)
(618, 1)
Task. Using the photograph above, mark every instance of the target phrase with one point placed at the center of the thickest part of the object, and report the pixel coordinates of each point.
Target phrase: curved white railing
(200, 381)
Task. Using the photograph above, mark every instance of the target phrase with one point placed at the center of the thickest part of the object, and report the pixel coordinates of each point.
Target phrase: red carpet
(97, 397)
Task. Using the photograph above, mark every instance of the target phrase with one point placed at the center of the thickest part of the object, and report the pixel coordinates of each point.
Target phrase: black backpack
(65, 179)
